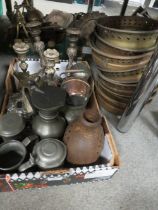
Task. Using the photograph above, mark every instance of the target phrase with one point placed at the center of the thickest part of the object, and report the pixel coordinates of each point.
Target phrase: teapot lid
(48, 98)
(11, 124)
(49, 153)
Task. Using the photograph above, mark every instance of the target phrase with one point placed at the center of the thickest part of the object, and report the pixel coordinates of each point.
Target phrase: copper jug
(84, 140)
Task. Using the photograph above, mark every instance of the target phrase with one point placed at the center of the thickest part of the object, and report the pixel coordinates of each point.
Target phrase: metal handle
(29, 139)
(72, 71)
(27, 165)
(27, 100)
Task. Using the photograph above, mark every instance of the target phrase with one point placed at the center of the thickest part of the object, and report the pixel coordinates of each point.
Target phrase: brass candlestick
(22, 49)
(73, 36)
(35, 31)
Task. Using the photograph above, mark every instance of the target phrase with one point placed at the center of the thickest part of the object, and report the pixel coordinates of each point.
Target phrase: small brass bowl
(78, 91)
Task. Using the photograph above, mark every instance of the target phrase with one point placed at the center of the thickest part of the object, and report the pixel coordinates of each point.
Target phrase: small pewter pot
(48, 123)
(47, 154)
(11, 126)
(13, 153)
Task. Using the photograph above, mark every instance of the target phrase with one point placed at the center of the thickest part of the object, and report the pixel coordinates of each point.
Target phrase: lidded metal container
(47, 154)
(50, 152)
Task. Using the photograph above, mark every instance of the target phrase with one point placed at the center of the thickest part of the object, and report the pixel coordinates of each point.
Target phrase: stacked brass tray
(121, 49)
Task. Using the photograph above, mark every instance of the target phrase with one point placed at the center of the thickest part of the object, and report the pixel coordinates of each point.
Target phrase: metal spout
(141, 95)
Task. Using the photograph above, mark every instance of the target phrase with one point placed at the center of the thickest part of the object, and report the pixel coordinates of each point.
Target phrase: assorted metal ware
(46, 110)
(52, 118)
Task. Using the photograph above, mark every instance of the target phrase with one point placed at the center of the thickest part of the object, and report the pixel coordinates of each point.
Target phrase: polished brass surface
(131, 33)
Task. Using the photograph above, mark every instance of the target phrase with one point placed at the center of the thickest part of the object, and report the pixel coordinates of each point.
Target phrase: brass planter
(110, 100)
(101, 45)
(131, 33)
(116, 89)
(111, 94)
(124, 77)
(118, 62)
(109, 107)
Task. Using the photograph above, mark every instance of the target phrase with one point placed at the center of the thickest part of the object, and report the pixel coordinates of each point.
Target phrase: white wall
(47, 6)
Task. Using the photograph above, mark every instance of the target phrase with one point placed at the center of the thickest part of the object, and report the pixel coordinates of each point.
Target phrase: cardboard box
(61, 176)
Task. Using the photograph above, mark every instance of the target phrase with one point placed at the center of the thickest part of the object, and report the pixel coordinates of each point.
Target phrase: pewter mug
(13, 153)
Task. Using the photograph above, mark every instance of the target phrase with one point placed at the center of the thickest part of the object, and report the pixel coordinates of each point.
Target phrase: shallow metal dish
(131, 33)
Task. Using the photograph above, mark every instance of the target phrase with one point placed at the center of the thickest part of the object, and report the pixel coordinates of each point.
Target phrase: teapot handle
(27, 100)
(27, 165)
(69, 72)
